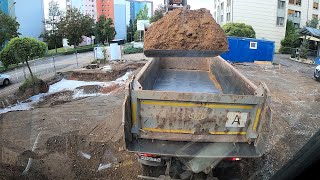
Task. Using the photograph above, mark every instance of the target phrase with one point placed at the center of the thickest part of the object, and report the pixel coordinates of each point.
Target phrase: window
(222, 4)
(296, 25)
(228, 17)
(315, 5)
(228, 3)
(281, 4)
(290, 12)
(280, 21)
(221, 18)
(295, 2)
(253, 45)
(297, 14)
(315, 16)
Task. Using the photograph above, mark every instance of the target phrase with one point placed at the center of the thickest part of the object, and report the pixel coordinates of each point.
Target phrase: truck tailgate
(208, 117)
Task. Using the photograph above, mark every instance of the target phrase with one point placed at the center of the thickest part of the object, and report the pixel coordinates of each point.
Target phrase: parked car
(4, 79)
(317, 73)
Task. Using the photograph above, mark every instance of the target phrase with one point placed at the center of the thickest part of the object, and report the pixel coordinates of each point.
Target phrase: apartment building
(7, 7)
(105, 7)
(120, 19)
(90, 8)
(268, 18)
(30, 16)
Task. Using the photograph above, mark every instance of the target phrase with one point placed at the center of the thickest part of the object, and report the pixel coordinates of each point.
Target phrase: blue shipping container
(249, 50)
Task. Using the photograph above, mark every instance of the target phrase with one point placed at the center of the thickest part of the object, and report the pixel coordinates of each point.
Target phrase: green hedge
(80, 50)
(133, 50)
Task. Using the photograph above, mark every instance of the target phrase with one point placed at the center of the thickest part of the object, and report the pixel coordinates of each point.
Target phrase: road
(48, 65)
(306, 69)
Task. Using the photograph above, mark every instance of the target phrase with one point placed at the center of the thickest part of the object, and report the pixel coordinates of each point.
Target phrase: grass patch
(53, 51)
(12, 66)
(68, 51)
(132, 50)
(29, 82)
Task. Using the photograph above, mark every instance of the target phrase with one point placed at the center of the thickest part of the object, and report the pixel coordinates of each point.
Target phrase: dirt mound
(186, 30)
(56, 99)
(32, 87)
(90, 89)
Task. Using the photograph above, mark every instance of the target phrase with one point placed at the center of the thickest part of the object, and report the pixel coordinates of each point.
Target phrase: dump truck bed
(178, 106)
(185, 81)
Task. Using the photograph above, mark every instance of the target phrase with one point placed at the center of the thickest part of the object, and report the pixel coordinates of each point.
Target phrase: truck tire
(152, 171)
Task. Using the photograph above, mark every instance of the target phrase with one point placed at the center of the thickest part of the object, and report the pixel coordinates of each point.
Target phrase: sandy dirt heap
(186, 30)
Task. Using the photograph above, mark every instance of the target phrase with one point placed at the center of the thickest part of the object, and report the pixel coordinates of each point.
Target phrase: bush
(22, 49)
(80, 50)
(239, 30)
(133, 50)
(7, 57)
(28, 83)
(290, 41)
(137, 36)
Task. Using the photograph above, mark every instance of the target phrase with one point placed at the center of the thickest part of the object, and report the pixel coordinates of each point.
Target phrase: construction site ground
(83, 138)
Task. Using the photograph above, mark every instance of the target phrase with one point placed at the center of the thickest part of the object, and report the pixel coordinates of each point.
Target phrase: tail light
(234, 159)
(147, 155)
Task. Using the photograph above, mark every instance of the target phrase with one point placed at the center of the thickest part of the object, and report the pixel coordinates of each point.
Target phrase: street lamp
(9, 11)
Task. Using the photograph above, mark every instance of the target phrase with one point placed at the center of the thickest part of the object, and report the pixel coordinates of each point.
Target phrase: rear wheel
(6, 82)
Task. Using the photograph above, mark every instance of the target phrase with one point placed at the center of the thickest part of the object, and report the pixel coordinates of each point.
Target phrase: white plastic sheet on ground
(65, 85)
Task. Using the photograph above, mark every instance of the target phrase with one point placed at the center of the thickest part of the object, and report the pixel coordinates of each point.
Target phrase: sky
(195, 4)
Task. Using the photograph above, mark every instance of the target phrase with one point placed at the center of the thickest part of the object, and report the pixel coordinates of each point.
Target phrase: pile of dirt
(183, 29)
(90, 89)
(56, 99)
(32, 87)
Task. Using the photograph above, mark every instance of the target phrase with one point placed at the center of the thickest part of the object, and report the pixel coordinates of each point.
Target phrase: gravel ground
(82, 139)
(295, 106)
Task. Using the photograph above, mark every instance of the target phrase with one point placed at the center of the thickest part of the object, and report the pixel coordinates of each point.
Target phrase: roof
(250, 39)
(310, 31)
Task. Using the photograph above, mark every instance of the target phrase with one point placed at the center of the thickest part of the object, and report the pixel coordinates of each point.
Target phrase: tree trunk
(29, 69)
(24, 70)
(76, 55)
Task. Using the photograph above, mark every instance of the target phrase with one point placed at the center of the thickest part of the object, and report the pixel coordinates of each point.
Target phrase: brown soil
(98, 75)
(108, 89)
(186, 30)
(56, 99)
(91, 89)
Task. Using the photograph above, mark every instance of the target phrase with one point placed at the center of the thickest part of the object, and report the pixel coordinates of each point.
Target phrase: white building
(90, 8)
(268, 18)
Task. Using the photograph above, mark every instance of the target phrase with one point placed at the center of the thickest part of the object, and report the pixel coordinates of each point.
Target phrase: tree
(54, 41)
(314, 22)
(291, 39)
(22, 50)
(51, 35)
(158, 13)
(304, 48)
(239, 30)
(8, 28)
(141, 15)
(104, 30)
(130, 31)
(74, 25)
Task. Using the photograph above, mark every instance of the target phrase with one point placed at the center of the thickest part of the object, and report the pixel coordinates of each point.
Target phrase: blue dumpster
(249, 50)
